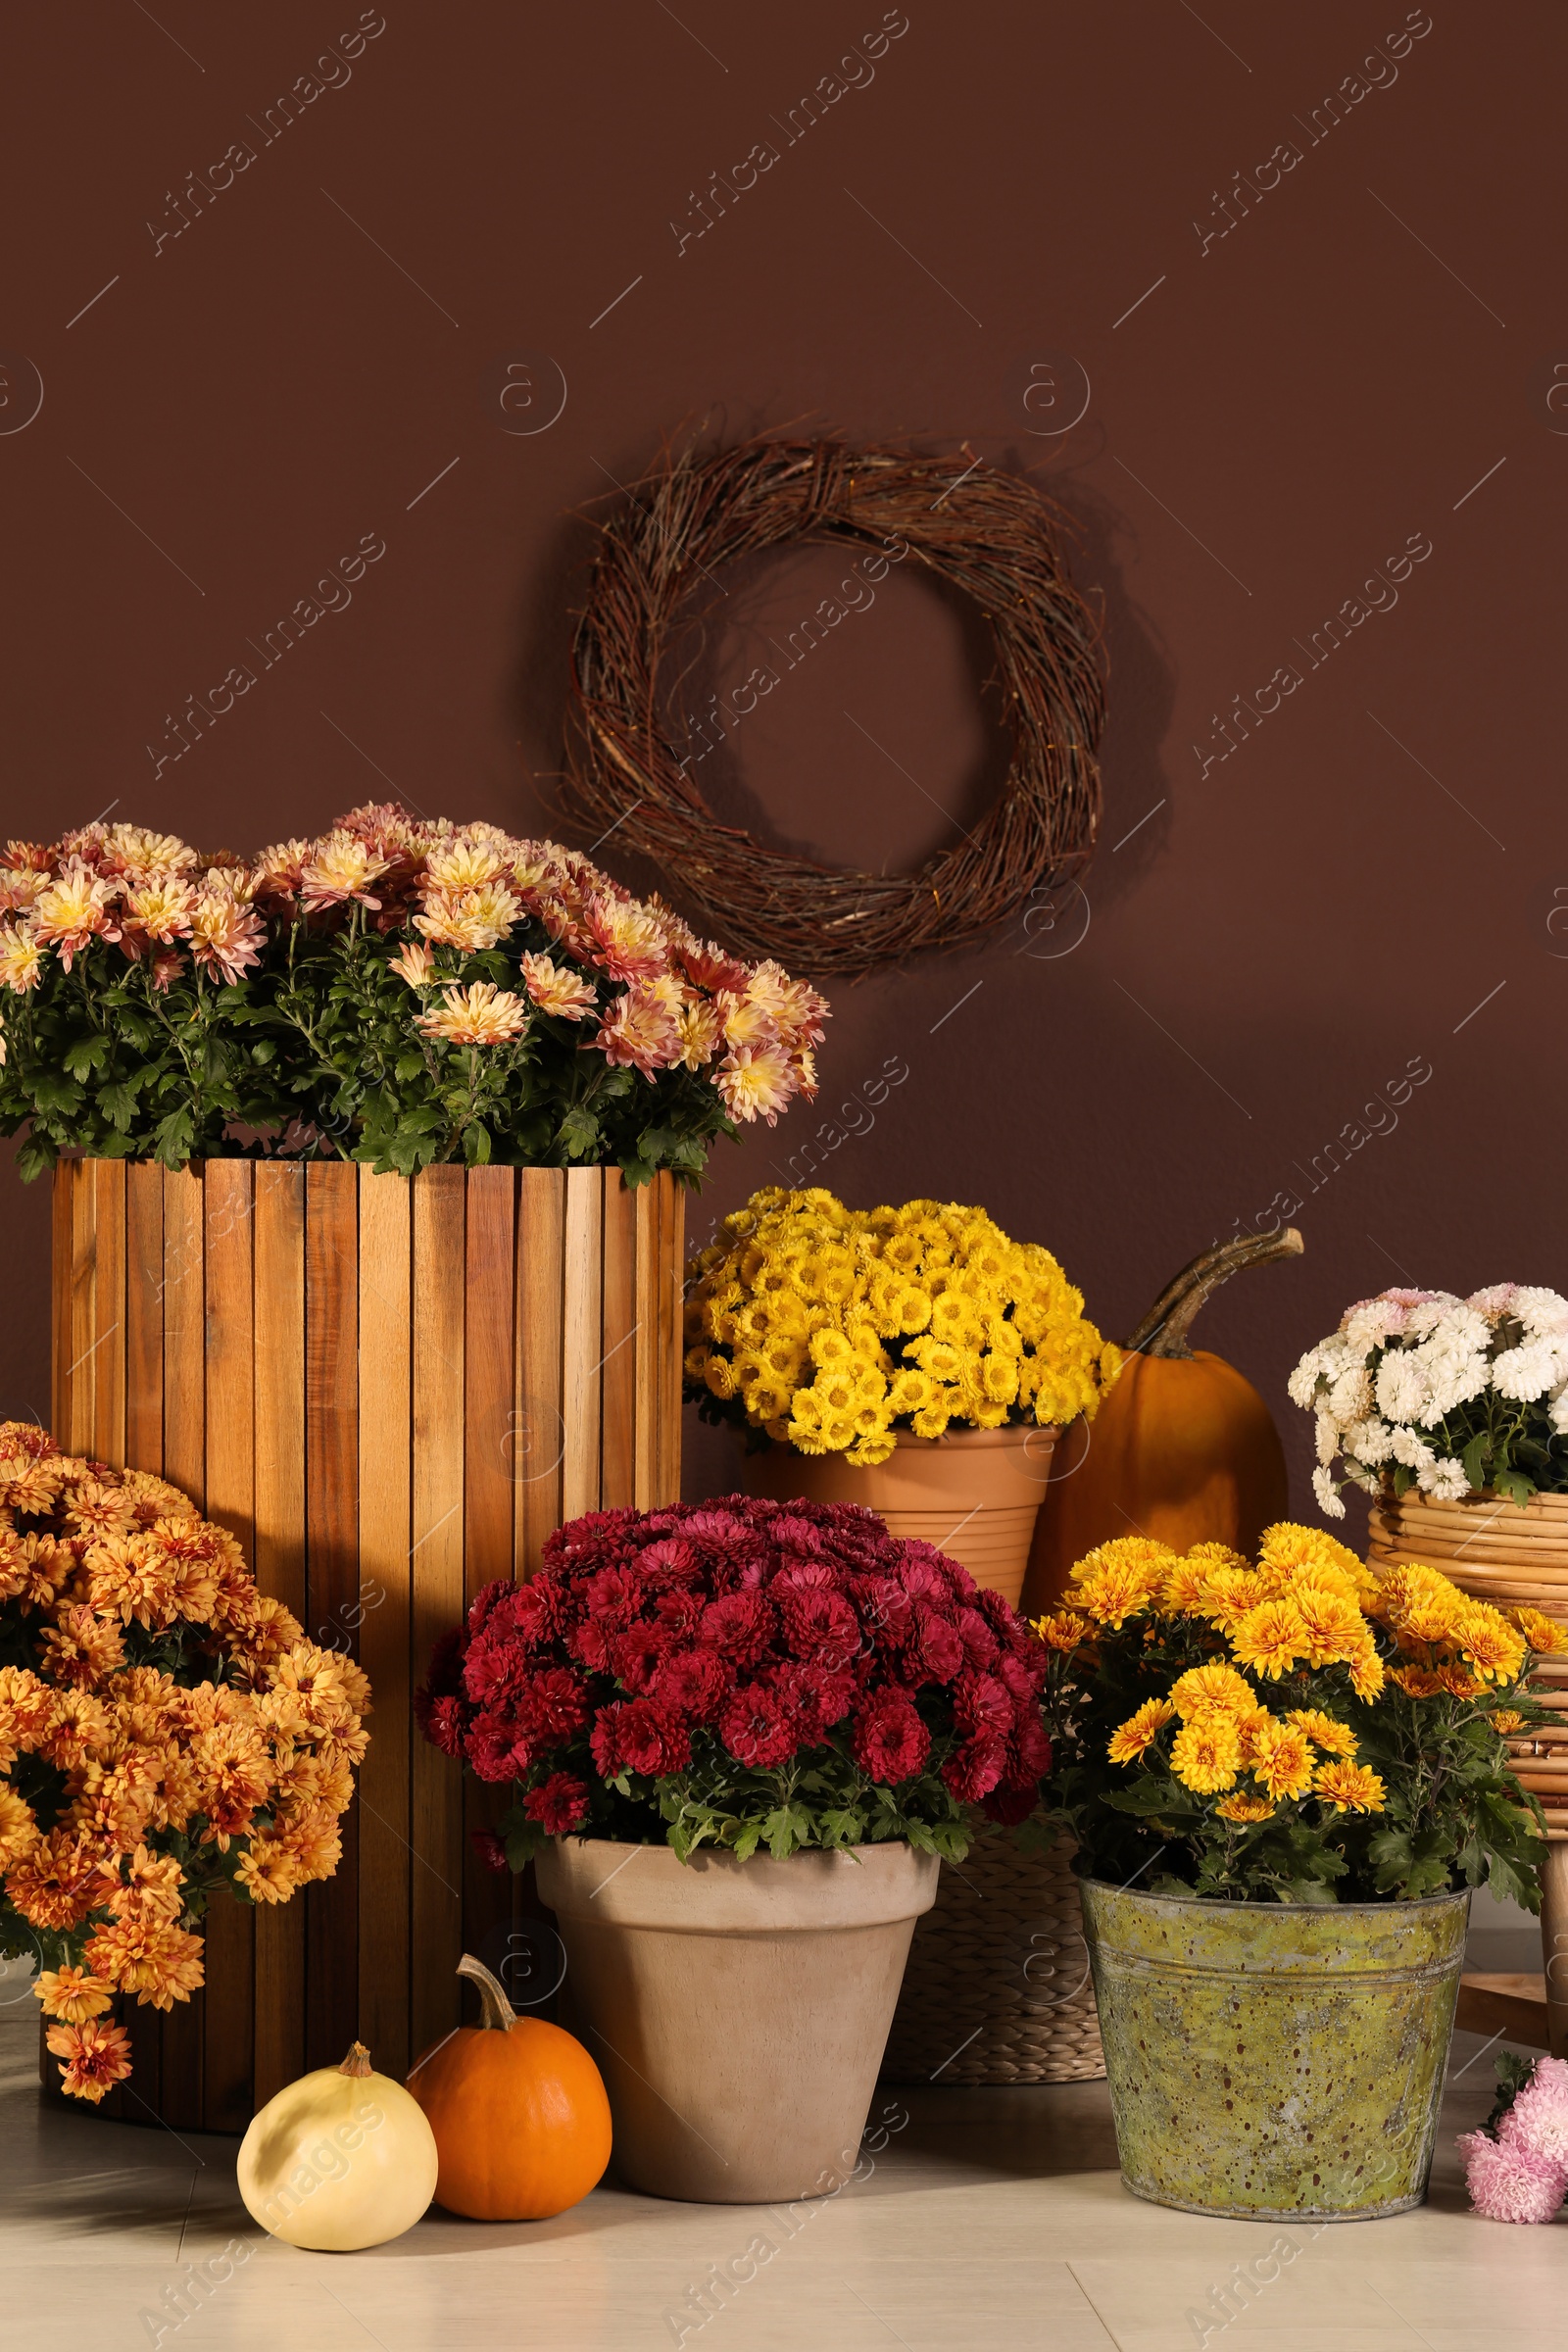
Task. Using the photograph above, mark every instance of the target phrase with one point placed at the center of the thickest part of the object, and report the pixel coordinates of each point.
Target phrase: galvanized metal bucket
(1275, 2061)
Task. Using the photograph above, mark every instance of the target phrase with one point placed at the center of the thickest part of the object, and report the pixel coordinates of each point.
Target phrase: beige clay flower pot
(738, 2010)
(973, 1493)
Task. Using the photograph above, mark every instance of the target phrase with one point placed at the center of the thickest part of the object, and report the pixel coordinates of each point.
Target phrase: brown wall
(1287, 931)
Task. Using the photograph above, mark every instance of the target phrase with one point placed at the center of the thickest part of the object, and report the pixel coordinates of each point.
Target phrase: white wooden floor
(993, 2222)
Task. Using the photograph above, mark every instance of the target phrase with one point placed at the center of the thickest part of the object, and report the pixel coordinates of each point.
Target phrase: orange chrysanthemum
(1128, 1742)
(1271, 1638)
(1350, 1788)
(1245, 1808)
(95, 2057)
(1545, 1635)
(73, 1994)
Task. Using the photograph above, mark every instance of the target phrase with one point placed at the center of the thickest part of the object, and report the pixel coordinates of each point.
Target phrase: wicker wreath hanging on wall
(988, 534)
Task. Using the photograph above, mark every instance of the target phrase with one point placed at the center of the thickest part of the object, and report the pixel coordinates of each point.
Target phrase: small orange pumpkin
(519, 2109)
(1183, 1447)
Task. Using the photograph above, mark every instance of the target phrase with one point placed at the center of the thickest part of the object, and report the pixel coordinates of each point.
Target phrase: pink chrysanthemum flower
(1508, 2184)
(226, 937)
(1538, 2120)
(565, 994)
(481, 1016)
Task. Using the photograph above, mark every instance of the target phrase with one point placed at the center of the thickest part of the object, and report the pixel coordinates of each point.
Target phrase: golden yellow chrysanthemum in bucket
(1296, 1727)
(833, 1329)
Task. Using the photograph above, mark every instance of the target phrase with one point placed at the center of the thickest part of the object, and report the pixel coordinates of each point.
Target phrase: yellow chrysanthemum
(1288, 1550)
(1206, 1755)
(1129, 1740)
(1218, 1690)
(1324, 1730)
(1350, 1788)
(1334, 1626)
(1282, 1760)
(1242, 1808)
(1227, 1594)
(1064, 1631)
(1546, 1636)
(1271, 1638)
(1417, 1681)
(1119, 1579)
(1507, 1720)
(1367, 1672)
(1494, 1649)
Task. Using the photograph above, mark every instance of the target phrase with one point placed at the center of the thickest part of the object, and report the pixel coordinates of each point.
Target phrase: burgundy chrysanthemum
(558, 1804)
(758, 1728)
(976, 1768)
(633, 1734)
(890, 1741)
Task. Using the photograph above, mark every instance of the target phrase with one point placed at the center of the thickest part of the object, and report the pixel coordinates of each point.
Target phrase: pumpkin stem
(495, 2010)
(357, 2060)
(1163, 1330)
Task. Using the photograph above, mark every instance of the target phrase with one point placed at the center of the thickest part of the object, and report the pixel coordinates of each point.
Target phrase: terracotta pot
(1508, 1554)
(973, 1493)
(737, 2010)
(390, 1392)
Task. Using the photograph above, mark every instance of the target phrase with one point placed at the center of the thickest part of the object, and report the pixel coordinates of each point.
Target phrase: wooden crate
(391, 1392)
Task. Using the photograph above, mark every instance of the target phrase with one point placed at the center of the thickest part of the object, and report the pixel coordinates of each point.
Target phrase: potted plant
(166, 1733)
(739, 1736)
(1283, 1780)
(911, 1359)
(373, 1247)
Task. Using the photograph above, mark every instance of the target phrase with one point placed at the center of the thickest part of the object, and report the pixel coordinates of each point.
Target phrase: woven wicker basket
(997, 1987)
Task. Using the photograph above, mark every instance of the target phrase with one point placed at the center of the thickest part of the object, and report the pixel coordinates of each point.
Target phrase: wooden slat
(184, 1332)
(107, 1178)
(331, 1562)
(227, 1240)
(538, 1438)
(583, 1345)
(386, 1582)
(672, 1230)
(180, 2102)
(60, 1359)
(82, 1359)
(438, 1597)
(279, 1377)
(144, 1316)
(618, 1380)
(646, 1345)
(490, 1291)
(228, 2007)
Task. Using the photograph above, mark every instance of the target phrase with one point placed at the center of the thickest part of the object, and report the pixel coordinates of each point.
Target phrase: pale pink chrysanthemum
(165, 966)
(226, 937)
(755, 1082)
(461, 863)
(553, 990)
(641, 1030)
(744, 1021)
(21, 883)
(469, 919)
(21, 958)
(1510, 2183)
(143, 856)
(76, 906)
(275, 875)
(481, 1016)
(629, 939)
(156, 912)
(707, 964)
(701, 1033)
(340, 868)
(415, 964)
(1538, 2120)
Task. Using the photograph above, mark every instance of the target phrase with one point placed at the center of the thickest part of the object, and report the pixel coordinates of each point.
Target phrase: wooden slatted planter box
(390, 1391)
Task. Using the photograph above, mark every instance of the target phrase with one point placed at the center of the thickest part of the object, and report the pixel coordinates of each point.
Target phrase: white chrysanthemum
(1370, 1440)
(1406, 1447)
(1319, 1365)
(1544, 1313)
(1497, 1299)
(1328, 1502)
(1444, 1482)
(1559, 1409)
(1400, 1386)
(1430, 1315)
(1527, 1372)
(1350, 1399)
(1372, 1321)
(1328, 1435)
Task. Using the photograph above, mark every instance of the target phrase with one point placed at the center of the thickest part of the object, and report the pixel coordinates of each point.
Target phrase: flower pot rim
(1222, 1903)
(1010, 1433)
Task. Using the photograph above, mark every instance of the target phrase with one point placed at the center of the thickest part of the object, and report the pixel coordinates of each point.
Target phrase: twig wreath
(987, 533)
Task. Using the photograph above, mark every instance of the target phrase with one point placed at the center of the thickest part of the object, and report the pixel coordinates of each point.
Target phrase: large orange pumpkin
(519, 2109)
(1183, 1447)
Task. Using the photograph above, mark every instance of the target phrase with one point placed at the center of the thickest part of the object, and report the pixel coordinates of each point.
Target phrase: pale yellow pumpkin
(341, 2159)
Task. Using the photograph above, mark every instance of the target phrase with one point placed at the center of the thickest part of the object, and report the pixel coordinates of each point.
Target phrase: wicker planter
(997, 1987)
(390, 1391)
(973, 1493)
(1508, 1554)
(1276, 2060)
